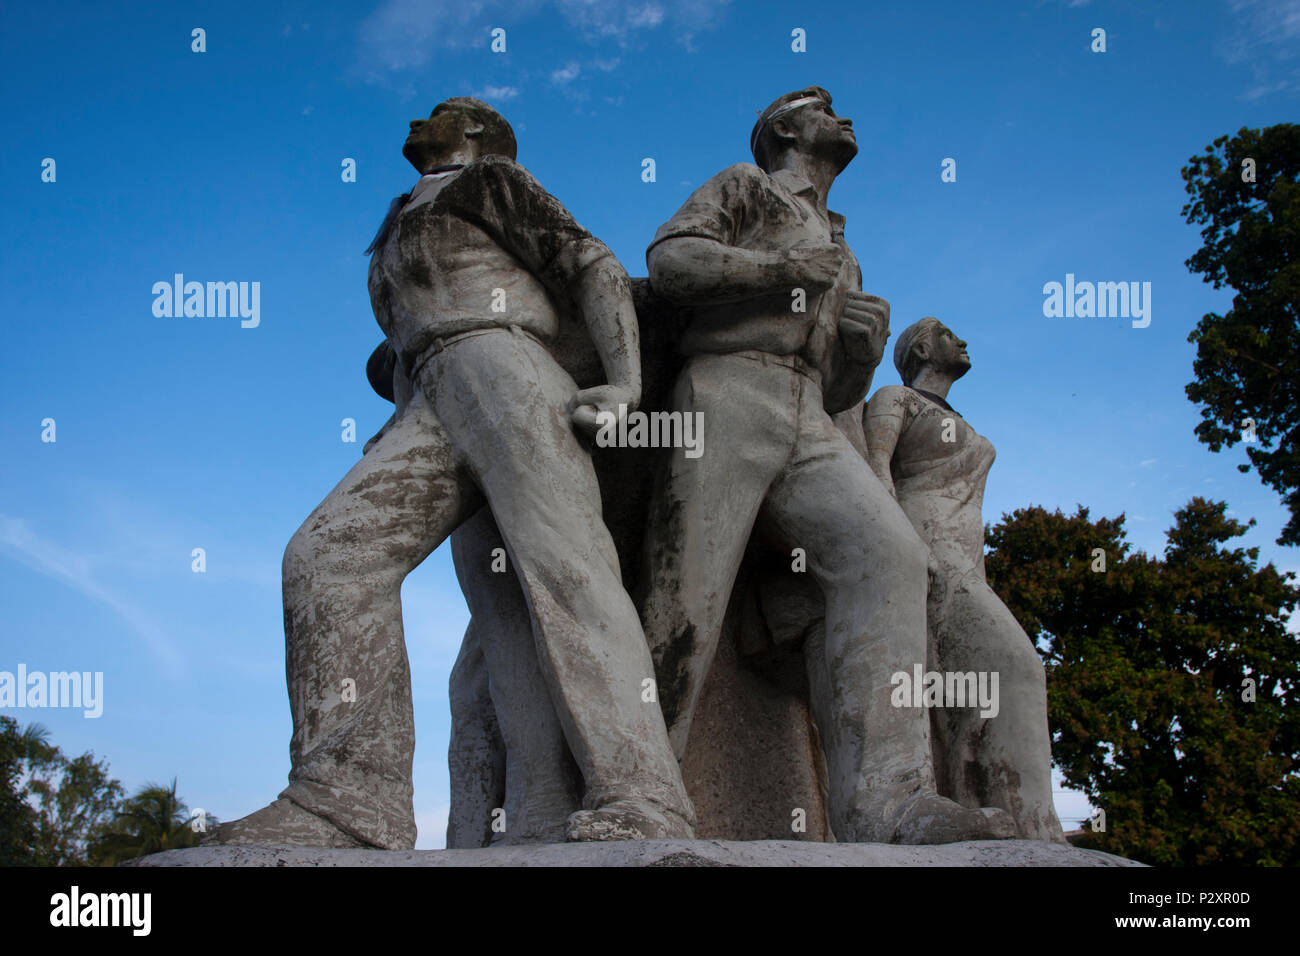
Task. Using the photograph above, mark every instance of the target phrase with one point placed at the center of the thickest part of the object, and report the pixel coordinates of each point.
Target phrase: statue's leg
(1003, 760)
(871, 566)
(349, 680)
(541, 784)
(476, 754)
(701, 515)
(505, 404)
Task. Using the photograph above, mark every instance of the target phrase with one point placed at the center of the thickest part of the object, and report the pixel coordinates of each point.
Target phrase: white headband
(783, 108)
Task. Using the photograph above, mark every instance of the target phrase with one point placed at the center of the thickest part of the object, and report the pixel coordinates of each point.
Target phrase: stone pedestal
(656, 853)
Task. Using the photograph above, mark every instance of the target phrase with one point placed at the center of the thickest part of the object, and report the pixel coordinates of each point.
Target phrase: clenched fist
(815, 266)
(864, 327)
(589, 403)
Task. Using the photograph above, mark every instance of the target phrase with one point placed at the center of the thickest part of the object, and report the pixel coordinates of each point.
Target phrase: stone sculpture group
(811, 551)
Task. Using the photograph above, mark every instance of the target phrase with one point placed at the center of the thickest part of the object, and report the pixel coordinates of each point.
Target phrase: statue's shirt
(484, 246)
(744, 207)
(939, 468)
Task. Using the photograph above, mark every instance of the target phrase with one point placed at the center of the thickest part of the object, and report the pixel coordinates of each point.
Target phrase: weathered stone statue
(780, 340)
(936, 465)
(510, 329)
(504, 725)
(752, 757)
(469, 275)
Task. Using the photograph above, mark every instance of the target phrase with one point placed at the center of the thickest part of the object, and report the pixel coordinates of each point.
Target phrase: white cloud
(496, 94)
(20, 543)
(1267, 40)
(1272, 25)
(1264, 89)
(611, 19)
(566, 74)
(403, 35)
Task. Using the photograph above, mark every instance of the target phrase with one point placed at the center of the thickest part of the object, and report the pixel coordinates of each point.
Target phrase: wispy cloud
(566, 74)
(1267, 40)
(403, 35)
(614, 19)
(1264, 89)
(496, 94)
(22, 544)
(1270, 27)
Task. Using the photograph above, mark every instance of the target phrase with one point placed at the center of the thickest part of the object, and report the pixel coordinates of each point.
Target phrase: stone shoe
(283, 823)
(628, 820)
(928, 818)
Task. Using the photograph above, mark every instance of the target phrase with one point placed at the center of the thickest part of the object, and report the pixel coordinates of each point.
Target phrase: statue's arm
(388, 379)
(862, 333)
(693, 270)
(848, 385)
(698, 256)
(884, 418)
(603, 295)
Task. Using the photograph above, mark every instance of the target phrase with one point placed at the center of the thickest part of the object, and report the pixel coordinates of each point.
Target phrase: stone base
(656, 853)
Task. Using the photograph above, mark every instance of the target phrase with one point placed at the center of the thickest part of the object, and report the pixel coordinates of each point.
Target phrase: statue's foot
(549, 829)
(1046, 827)
(628, 820)
(928, 818)
(283, 823)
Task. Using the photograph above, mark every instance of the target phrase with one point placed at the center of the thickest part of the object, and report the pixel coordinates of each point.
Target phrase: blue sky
(183, 433)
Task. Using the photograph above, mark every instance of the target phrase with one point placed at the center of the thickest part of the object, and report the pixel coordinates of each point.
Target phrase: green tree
(1171, 682)
(17, 818)
(153, 819)
(51, 808)
(72, 799)
(1246, 194)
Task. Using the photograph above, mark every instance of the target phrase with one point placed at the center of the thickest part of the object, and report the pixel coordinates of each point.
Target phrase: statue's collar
(795, 183)
(792, 181)
(934, 398)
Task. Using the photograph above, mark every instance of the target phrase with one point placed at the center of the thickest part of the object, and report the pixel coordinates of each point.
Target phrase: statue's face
(819, 132)
(947, 352)
(432, 141)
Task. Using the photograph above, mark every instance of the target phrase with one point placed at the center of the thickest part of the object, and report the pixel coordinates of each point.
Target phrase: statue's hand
(864, 327)
(589, 402)
(815, 266)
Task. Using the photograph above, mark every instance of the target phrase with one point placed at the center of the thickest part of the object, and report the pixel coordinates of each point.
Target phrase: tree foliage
(153, 819)
(1247, 367)
(1171, 681)
(17, 818)
(51, 807)
(56, 811)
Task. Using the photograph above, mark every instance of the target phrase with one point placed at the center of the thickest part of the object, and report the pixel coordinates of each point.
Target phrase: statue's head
(459, 127)
(803, 122)
(929, 343)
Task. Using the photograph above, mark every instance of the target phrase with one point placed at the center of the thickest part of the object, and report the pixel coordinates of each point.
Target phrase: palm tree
(35, 741)
(150, 821)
